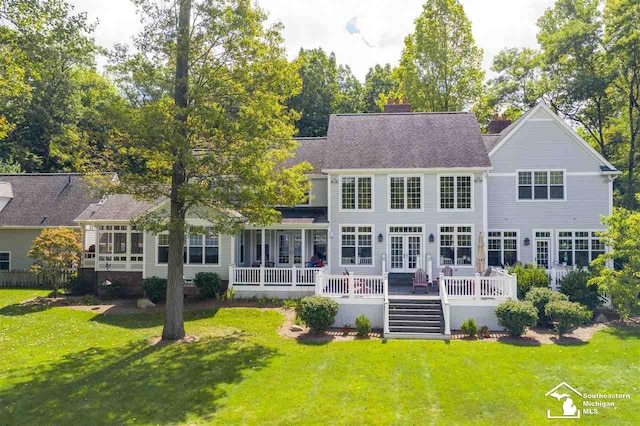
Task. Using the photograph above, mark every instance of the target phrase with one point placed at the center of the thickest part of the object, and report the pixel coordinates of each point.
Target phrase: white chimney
(6, 194)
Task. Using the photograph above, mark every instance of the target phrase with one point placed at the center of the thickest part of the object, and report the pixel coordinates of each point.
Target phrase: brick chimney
(499, 123)
(396, 105)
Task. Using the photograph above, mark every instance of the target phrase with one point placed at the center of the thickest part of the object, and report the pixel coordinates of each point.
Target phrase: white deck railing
(446, 309)
(272, 277)
(88, 259)
(352, 286)
(501, 286)
(555, 276)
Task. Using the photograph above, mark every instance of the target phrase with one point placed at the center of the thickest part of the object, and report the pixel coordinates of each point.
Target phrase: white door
(543, 250)
(405, 252)
(289, 248)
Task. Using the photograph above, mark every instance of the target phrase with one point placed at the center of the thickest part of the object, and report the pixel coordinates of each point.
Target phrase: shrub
(76, 287)
(567, 315)
(469, 327)
(515, 316)
(317, 312)
(209, 285)
(530, 276)
(363, 325)
(290, 303)
(155, 288)
(484, 331)
(540, 297)
(575, 285)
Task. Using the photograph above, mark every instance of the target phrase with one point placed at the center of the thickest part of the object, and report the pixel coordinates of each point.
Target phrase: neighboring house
(393, 193)
(30, 203)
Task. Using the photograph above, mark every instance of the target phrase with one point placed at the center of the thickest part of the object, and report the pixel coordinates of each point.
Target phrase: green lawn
(62, 366)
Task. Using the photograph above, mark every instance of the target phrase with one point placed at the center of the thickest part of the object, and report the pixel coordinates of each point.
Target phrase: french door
(543, 249)
(289, 248)
(405, 251)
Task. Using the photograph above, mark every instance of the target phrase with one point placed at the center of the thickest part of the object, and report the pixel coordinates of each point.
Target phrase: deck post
(318, 278)
(429, 267)
(514, 287)
(294, 274)
(232, 275)
(303, 249)
(552, 279)
(350, 284)
(476, 285)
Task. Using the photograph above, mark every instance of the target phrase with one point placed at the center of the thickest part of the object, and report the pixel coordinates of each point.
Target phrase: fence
(498, 287)
(351, 286)
(27, 279)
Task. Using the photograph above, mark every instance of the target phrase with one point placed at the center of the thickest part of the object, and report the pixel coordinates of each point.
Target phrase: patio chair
(421, 279)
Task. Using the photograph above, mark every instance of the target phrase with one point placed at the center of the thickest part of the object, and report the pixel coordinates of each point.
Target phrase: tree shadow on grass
(136, 383)
(18, 309)
(148, 320)
(625, 331)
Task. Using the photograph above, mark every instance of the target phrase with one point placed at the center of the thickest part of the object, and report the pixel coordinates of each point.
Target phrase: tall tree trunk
(174, 311)
(629, 198)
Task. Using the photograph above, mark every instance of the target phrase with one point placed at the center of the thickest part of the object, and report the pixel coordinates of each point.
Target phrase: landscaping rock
(296, 328)
(145, 303)
(600, 318)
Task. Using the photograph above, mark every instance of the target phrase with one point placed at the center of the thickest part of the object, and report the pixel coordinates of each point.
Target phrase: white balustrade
(272, 277)
(352, 286)
(500, 286)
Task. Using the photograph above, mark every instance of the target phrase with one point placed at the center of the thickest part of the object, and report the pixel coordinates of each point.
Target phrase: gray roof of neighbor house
(45, 199)
(404, 141)
(117, 207)
(310, 150)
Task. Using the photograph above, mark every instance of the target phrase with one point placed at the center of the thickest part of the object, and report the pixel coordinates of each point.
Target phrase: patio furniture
(421, 279)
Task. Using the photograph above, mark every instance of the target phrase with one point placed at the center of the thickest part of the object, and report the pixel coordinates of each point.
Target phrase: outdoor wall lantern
(527, 241)
(380, 238)
(431, 238)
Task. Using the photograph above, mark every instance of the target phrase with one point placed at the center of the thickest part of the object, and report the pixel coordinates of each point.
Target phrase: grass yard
(68, 367)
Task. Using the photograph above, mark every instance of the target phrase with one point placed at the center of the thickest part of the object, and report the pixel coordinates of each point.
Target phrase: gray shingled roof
(404, 140)
(304, 214)
(310, 150)
(45, 199)
(490, 140)
(115, 207)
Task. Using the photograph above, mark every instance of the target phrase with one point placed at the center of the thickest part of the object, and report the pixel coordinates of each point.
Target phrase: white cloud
(382, 24)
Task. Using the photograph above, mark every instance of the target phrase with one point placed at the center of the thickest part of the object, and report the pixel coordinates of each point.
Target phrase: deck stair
(416, 318)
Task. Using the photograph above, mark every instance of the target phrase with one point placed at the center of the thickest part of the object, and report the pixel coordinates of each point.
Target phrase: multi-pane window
(541, 185)
(198, 249)
(259, 247)
(455, 192)
(356, 193)
(118, 241)
(455, 245)
(405, 192)
(5, 261)
(320, 244)
(356, 245)
(503, 248)
(579, 248)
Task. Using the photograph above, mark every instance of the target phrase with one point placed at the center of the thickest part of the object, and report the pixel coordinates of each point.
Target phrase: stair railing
(385, 291)
(446, 309)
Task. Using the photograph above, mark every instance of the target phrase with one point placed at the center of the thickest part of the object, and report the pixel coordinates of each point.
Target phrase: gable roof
(404, 141)
(310, 150)
(506, 134)
(118, 207)
(45, 199)
(490, 140)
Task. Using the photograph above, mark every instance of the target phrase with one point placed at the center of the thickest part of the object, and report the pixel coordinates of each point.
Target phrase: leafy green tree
(9, 166)
(348, 98)
(379, 80)
(317, 98)
(517, 85)
(440, 67)
(212, 137)
(623, 283)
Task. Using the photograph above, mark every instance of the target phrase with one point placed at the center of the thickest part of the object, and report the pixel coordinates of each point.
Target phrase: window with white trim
(405, 192)
(356, 245)
(455, 193)
(356, 193)
(541, 185)
(502, 248)
(5, 260)
(117, 242)
(198, 249)
(579, 248)
(455, 245)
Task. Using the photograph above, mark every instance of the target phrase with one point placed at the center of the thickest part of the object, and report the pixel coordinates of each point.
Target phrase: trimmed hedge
(515, 316)
(575, 286)
(209, 285)
(540, 297)
(317, 312)
(363, 325)
(567, 315)
(530, 276)
(155, 288)
(469, 327)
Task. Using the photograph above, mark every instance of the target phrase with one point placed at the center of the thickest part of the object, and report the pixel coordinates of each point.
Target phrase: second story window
(455, 193)
(356, 193)
(541, 185)
(405, 193)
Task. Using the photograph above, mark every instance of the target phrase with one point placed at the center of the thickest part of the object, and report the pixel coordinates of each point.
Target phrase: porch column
(303, 251)
(264, 258)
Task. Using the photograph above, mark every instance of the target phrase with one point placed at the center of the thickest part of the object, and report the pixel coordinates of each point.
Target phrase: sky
(362, 33)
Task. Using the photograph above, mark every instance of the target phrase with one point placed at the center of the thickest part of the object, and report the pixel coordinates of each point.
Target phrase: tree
(54, 252)
(315, 102)
(517, 84)
(44, 48)
(623, 283)
(211, 136)
(379, 80)
(348, 99)
(440, 67)
(9, 166)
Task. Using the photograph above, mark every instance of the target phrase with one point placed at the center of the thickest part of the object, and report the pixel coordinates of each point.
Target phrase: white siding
(319, 192)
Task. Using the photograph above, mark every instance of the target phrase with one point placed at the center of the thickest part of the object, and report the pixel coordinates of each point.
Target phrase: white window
(456, 192)
(502, 248)
(117, 242)
(579, 248)
(5, 261)
(356, 245)
(198, 249)
(541, 185)
(356, 193)
(405, 192)
(456, 245)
